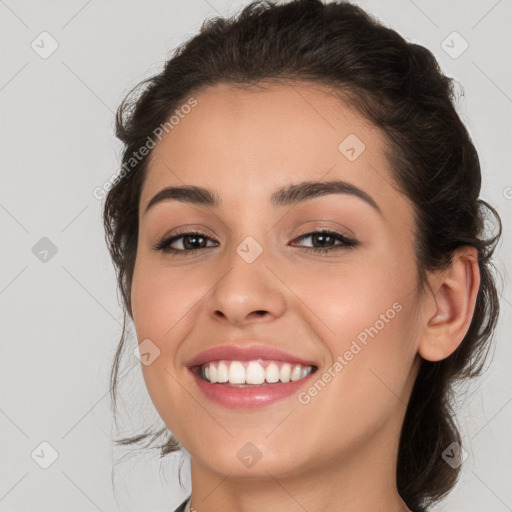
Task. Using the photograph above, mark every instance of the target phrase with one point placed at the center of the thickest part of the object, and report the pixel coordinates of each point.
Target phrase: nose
(247, 293)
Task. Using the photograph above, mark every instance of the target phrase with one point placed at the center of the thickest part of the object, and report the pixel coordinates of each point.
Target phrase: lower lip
(250, 397)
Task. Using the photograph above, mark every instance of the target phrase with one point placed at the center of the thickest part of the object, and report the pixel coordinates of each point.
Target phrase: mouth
(249, 376)
(252, 373)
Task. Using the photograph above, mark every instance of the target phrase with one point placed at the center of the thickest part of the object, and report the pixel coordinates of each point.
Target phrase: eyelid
(321, 228)
(189, 228)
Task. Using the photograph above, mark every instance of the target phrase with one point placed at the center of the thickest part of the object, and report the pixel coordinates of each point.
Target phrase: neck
(364, 479)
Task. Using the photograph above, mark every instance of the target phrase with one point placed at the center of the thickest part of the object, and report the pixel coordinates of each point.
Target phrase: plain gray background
(61, 318)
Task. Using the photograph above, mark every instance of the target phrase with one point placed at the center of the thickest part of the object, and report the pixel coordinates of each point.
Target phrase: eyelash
(347, 243)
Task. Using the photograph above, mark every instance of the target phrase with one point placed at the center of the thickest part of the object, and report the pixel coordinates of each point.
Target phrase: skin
(338, 451)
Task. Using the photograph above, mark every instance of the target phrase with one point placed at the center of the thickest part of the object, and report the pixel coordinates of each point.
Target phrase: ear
(455, 292)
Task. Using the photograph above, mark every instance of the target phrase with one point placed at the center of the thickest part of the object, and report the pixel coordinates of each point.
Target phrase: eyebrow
(288, 195)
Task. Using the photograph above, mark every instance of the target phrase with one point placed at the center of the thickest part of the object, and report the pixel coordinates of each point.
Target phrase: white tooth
(304, 372)
(272, 373)
(236, 373)
(296, 372)
(222, 372)
(255, 373)
(213, 373)
(285, 373)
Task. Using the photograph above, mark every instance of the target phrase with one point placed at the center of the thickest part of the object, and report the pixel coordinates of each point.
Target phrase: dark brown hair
(400, 88)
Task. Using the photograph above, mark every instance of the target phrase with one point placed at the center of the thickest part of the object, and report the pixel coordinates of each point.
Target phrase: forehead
(246, 142)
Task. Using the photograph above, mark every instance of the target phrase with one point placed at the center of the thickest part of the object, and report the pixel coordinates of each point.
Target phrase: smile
(252, 373)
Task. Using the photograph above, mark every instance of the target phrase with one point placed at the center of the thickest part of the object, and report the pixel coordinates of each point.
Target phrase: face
(306, 302)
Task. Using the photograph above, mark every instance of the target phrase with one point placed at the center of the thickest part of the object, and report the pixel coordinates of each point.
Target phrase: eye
(191, 242)
(326, 238)
(194, 241)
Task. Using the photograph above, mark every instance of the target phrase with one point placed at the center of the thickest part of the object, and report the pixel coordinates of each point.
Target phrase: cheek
(160, 298)
(367, 383)
(353, 295)
(378, 343)
(370, 312)
(162, 302)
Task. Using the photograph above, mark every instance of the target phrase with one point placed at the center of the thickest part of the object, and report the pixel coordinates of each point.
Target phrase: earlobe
(454, 304)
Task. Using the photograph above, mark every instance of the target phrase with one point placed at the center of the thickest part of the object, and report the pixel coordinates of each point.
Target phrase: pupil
(194, 240)
(321, 237)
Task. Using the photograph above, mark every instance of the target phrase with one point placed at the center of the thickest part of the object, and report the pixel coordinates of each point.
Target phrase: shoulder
(183, 507)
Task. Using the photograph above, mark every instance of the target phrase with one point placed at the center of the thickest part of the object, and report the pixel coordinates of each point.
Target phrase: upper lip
(246, 353)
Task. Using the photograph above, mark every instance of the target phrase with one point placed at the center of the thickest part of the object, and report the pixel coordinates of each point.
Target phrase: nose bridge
(247, 287)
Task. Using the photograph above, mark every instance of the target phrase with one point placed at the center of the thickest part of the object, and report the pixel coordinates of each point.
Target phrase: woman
(300, 245)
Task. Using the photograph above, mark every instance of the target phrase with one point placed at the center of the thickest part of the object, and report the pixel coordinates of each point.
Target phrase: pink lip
(250, 353)
(234, 397)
